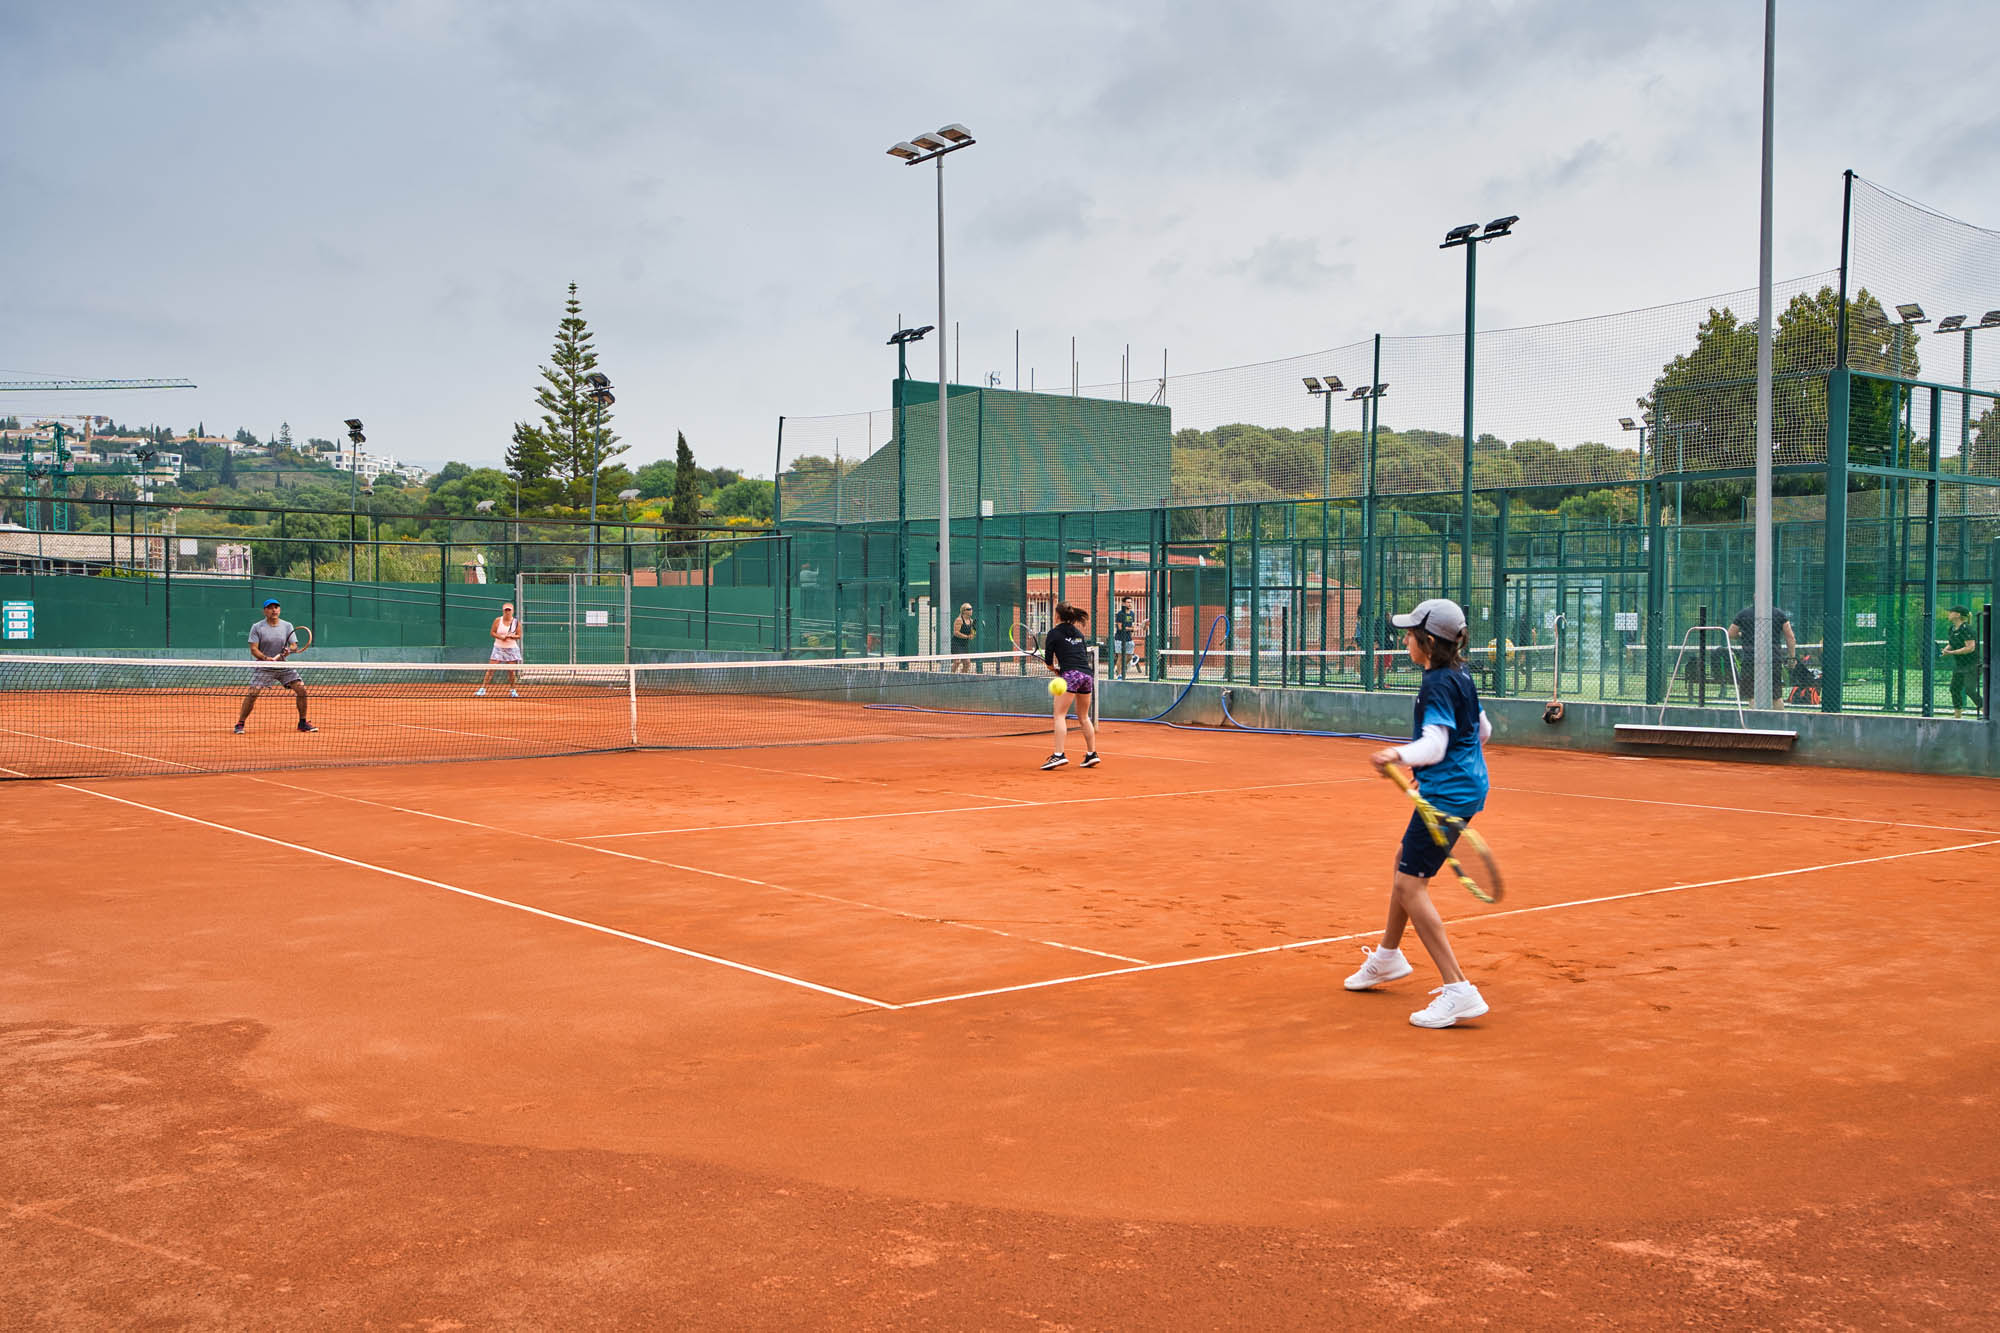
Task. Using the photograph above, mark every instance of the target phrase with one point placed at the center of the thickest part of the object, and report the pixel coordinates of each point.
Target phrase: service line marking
(963, 809)
(42, 1212)
(1741, 810)
(927, 918)
(1466, 924)
(103, 749)
(489, 898)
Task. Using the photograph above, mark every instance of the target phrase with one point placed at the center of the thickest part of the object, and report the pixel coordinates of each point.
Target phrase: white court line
(102, 749)
(1742, 810)
(1467, 924)
(962, 809)
(489, 898)
(697, 870)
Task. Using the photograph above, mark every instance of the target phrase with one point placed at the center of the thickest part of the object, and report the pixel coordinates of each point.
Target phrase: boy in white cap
(1450, 730)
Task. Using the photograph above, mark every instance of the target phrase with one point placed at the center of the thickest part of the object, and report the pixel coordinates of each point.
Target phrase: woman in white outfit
(506, 631)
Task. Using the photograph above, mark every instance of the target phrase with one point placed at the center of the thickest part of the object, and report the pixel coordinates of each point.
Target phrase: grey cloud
(1291, 262)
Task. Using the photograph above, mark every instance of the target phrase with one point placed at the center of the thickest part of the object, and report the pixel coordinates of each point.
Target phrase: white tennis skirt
(508, 650)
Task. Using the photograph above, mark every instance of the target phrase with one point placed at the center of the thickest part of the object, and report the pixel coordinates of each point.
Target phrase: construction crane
(66, 386)
(36, 463)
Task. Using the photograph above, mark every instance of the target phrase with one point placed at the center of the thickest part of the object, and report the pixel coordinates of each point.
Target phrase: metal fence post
(1833, 626)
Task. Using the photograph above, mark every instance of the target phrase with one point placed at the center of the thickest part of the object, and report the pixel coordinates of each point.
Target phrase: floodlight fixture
(1628, 423)
(596, 379)
(1950, 323)
(1360, 392)
(1460, 235)
(1312, 384)
(901, 336)
(627, 495)
(357, 437)
(1989, 319)
(1499, 225)
(1911, 313)
(907, 151)
(353, 423)
(930, 143)
(484, 507)
(1333, 384)
(956, 133)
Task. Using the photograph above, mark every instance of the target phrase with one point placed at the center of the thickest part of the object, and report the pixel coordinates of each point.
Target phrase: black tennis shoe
(306, 726)
(1090, 760)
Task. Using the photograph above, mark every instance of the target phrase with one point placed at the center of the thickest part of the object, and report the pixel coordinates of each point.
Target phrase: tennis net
(96, 717)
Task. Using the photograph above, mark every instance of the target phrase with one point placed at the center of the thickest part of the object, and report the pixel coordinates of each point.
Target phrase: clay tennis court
(912, 1035)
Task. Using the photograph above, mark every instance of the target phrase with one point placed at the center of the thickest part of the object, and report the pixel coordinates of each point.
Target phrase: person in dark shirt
(1123, 624)
(1448, 755)
(1066, 653)
(1961, 651)
(963, 631)
(1784, 647)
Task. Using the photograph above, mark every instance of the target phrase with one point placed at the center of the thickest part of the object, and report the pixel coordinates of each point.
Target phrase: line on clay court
(1744, 810)
(698, 870)
(964, 809)
(489, 898)
(1467, 924)
(829, 777)
(102, 749)
(29, 1213)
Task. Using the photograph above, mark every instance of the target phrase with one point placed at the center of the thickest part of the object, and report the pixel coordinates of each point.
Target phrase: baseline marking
(962, 809)
(1466, 924)
(698, 870)
(489, 898)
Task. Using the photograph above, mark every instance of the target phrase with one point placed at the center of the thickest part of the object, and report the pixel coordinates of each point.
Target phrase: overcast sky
(318, 210)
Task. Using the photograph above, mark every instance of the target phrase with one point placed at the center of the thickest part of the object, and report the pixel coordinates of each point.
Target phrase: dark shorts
(1079, 682)
(1421, 856)
(961, 645)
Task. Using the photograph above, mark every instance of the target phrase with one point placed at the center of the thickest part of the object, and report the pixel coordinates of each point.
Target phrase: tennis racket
(1025, 642)
(302, 639)
(1481, 878)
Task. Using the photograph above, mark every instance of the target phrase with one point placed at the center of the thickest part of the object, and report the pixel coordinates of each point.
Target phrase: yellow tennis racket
(1481, 878)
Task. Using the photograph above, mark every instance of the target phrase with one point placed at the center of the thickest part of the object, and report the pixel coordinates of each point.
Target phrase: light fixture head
(1458, 235)
(1360, 392)
(484, 507)
(1950, 323)
(956, 133)
(1498, 225)
(354, 423)
(1912, 313)
(930, 143)
(631, 494)
(1989, 319)
(906, 151)
(357, 437)
(1628, 423)
(1312, 385)
(597, 380)
(1333, 384)
(1381, 389)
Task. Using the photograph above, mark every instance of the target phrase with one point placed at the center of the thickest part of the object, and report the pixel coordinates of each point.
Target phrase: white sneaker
(513, 694)
(1382, 965)
(1452, 1003)
(479, 693)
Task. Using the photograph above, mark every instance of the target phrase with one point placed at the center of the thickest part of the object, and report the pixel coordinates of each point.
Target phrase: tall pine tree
(687, 486)
(575, 433)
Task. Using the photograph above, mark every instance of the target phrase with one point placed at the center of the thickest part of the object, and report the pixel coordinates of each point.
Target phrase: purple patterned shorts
(1079, 682)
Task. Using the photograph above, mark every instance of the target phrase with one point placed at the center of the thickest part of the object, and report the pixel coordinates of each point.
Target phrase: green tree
(1983, 459)
(528, 458)
(686, 508)
(745, 497)
(655, 480)
(575, 433)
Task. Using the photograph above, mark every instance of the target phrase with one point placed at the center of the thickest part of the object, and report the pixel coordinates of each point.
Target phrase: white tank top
(506, 625)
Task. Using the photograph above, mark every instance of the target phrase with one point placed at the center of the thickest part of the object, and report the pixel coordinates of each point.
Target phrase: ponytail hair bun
(1071, 615)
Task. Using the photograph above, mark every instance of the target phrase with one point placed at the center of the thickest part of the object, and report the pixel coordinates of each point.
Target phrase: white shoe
(513, 694)
(479, 693)
(1451, 1004)
(1382, 965)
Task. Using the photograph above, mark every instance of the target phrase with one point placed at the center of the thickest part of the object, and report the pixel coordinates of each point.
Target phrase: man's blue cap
(272, 602)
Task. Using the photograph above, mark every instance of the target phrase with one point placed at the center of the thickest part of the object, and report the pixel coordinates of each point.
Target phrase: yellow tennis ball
(1058, 687)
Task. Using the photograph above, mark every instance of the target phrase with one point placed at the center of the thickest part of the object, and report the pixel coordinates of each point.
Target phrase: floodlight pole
(948, 140)
(596, 443)
(1470, 237)
(1326, 454)
(1761, 659)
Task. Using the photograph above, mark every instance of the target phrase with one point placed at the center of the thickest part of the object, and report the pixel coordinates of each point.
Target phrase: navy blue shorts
(1421, 857)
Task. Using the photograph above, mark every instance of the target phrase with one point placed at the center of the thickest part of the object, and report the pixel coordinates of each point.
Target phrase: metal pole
(1371, 416)
(1761, 659)
(596, 438)
(1326, 450)
(1931, 557)
(941, 595)
(1465, 497)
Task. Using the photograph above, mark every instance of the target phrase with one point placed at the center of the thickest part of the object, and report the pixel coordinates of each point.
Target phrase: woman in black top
(1066, 653)
(962, 631)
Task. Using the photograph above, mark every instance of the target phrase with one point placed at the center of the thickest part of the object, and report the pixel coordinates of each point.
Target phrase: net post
(1701, 661)
(632, 703)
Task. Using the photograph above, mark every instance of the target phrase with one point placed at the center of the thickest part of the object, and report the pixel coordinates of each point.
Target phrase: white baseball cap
(1439, 617)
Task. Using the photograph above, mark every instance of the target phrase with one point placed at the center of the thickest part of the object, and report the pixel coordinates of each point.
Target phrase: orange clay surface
(911, 1035)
